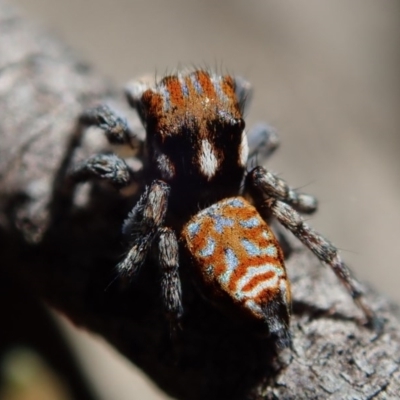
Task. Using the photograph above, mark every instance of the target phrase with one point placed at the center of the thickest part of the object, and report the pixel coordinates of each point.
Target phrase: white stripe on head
(208, 159)
(196, 84)
(231, 263)
(185, 89)
(216, 81)
(163, 90)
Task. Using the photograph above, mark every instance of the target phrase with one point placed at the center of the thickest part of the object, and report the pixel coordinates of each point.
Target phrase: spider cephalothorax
(200, 209)
(195, 138)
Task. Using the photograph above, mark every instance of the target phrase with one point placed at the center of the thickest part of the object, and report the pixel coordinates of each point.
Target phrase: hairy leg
(168, 256)
(272, 186)
(108, 167)
(142, 225)
(268, 191)
(114, 126)
(263, 141)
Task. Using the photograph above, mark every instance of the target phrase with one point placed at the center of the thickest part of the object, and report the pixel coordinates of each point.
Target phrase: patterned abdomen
(237, 255)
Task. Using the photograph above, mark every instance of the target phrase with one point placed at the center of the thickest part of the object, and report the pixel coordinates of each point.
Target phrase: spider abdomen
(237, 255)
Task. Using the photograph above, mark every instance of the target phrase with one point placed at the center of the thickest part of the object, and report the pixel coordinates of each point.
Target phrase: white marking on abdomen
(256, 290)
(250, 223)
(208, 249)
(231, 263)
(253, 272)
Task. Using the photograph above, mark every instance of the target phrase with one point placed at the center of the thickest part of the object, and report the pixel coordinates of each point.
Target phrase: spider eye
(234, 127)
(238, 124)
(229, 123)
(102, 120)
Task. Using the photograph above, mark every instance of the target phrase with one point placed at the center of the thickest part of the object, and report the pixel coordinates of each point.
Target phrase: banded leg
(321, 247)
(277, 314)
(263, 141)
(114, 126)
(168, 255)
(117, 132)
(142, 225)
(279, 189)
(108, 167)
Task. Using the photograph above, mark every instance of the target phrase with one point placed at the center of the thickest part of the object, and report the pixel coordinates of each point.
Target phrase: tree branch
(67, 257)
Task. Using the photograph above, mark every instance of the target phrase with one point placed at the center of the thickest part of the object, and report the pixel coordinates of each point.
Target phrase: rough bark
(67, 258)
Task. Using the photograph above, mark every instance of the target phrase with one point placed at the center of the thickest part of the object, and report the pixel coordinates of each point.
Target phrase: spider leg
(263, 141)
(279, 189)
(168, 256)
(142, 226)
(269, 191)
(244, 92)
(107, 167)
(262, 138)
(103, 166)
(114, 126)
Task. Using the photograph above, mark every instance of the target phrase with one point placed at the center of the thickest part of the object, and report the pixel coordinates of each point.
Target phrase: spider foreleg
(321, 247)
(142, 225)
(108, 167)
(263, 141)
(114, 126)
(270, 185)
(324, 250)
(171, 293)
(243, 91)
(103, 166)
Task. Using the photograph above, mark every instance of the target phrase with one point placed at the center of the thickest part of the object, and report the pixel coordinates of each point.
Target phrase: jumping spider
(201, 207)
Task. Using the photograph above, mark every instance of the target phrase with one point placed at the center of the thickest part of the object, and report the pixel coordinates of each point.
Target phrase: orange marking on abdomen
(258, 279)
(234, 248)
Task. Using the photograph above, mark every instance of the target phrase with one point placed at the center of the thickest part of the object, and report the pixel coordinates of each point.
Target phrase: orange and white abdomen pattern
(236, 251)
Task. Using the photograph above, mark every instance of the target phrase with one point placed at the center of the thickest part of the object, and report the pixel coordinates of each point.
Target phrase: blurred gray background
(326, 75)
